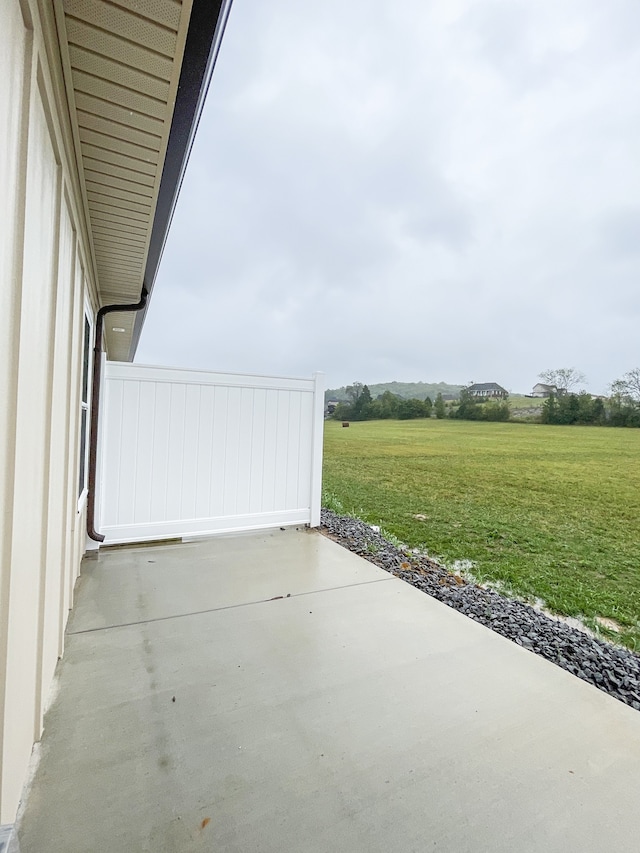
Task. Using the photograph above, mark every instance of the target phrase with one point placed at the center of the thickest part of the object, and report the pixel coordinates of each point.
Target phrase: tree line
(581, 408)
(361, 406)
(472, 409)
(562, 406)
(404, 390)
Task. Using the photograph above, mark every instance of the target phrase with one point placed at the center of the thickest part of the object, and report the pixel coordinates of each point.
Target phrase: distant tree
(343, 412)
(579, 408)
(561, 409)
(497, 410)
(628, 387)
(387, 405)
(354, 390)
(598, 411)
(439, 407)
(624, 404)
(590, 409)
(564, 378)
(428, 407)
(362, 405)
(549, 413)
(623, 414)
(471, 409)
(409, 409)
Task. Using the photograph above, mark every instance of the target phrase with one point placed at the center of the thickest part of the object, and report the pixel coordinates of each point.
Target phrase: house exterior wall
(43, 290)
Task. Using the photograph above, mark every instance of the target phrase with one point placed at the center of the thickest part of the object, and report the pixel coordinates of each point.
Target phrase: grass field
(547, 512)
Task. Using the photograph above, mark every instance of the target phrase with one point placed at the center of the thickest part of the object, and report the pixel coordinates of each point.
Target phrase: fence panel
(191, 452)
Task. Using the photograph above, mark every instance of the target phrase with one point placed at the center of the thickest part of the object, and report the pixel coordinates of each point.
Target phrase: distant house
(542, 390)
(487, 391)
(331, 406)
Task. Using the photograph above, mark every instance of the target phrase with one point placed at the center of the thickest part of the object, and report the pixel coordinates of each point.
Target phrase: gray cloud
(621, 234)
(418, 191)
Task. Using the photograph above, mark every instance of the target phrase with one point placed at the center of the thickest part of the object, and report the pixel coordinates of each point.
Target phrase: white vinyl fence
(187, 453)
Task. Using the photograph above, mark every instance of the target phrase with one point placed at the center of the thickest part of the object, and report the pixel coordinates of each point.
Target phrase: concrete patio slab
(133, 584)
(356, 715)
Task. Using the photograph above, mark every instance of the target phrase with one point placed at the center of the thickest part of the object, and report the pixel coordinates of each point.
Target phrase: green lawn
(549, 512)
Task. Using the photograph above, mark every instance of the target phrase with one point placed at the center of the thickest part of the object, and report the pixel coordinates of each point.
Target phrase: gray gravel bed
(612, 669)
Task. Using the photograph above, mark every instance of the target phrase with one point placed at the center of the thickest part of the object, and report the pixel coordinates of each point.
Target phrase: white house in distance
(99, 102)
(487, 391)
(540, 389)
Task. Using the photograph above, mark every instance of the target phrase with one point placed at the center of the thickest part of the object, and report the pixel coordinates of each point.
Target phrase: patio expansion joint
(225, 607)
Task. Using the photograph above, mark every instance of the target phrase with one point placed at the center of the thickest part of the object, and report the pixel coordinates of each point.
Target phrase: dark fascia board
(204, 36)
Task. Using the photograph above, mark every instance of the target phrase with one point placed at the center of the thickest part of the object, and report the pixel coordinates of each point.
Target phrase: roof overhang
(136, 74)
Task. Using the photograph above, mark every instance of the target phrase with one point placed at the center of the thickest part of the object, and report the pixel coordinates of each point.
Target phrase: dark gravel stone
(612, 669)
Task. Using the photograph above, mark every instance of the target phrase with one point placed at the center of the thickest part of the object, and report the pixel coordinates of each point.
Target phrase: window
(84, 407)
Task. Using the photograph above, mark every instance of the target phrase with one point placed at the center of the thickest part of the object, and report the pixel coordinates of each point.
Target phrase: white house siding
(42, 293)
(13, 55)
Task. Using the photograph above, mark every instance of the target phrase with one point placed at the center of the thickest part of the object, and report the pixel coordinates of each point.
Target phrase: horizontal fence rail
(195, 453)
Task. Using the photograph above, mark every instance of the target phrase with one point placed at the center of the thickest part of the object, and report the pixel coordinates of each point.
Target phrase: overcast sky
(418, 190)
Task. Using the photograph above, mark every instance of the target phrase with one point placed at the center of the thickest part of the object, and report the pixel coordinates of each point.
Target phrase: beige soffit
(122, 63)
